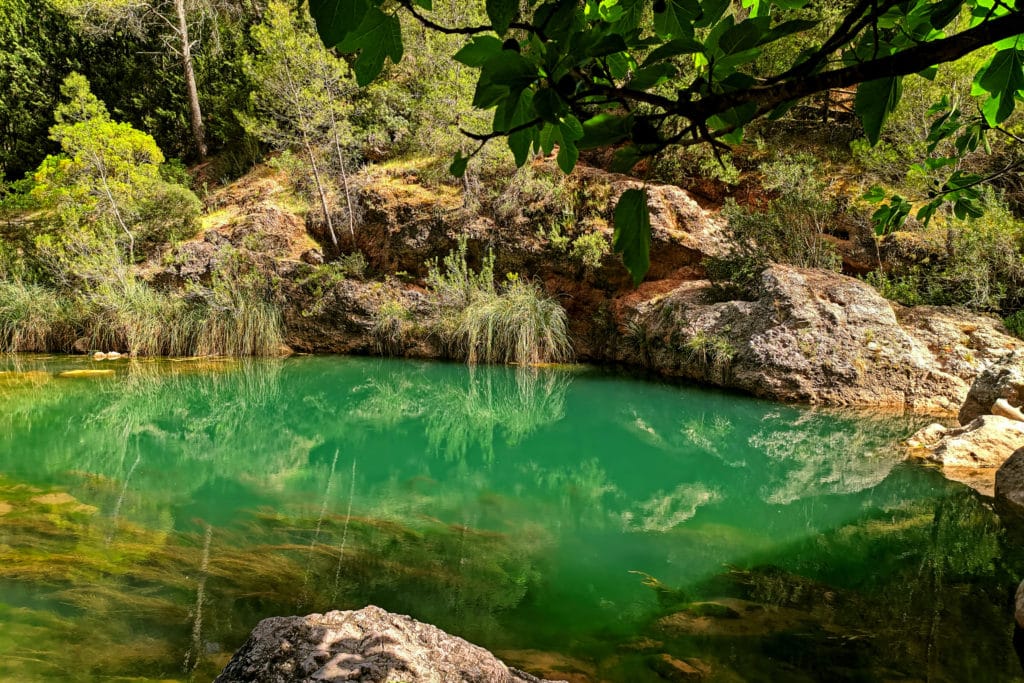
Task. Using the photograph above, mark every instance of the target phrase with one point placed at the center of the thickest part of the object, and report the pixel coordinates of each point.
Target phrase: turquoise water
(580, 524)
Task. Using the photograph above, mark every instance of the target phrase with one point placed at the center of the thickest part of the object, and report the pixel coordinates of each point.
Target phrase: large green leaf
(501, 13)
(1003, 80)
(632, 237)
(379, 36)
(335, 19)
(874, 102)
(675, 18)
(478, 51)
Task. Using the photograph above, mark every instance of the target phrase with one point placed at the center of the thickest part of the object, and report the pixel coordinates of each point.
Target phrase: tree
(107, 175)
(300, 97)
(638, 76)
(173, 21)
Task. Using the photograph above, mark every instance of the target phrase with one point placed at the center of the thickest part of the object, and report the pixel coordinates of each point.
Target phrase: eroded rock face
(1002, 379)
(810, 336)
(370, 645)
(1010, 495)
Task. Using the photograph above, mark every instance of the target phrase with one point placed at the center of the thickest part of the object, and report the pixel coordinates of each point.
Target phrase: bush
(388, 328)
(589, 249)
(1015, 324)
(31, 317)
(520, 325)
(976, 263)
(475, 321)
(791, 229)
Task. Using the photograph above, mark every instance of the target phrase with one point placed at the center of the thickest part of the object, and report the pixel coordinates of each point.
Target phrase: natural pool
(577, 523)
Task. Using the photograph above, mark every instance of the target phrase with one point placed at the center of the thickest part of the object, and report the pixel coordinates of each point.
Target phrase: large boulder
(971, 453)
(1002, 379)
(370, 645)
(1010, 488)
(808, 335)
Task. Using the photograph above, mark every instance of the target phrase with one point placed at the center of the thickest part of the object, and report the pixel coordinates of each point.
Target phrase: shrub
(388, 327)
(977, 263)
(791, 229)
(520, 325)
(589, 249)
(1015, 324)
(475, 321)
(30, 317)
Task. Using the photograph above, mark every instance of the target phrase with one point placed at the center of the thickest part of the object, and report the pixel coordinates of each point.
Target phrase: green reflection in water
(573, 521)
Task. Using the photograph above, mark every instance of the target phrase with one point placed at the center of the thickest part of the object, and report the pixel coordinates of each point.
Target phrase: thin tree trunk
(195, 112)
(117, 212)
(344, 181)
(319, 188)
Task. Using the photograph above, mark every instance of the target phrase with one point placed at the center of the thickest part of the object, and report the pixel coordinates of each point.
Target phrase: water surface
(580, 524)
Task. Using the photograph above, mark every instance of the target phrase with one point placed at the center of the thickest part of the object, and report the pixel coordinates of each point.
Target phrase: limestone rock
(370, 645)
(1002, 379)
(1010, 488)
(809, 335)
(962, 342)
(988, 441)
(971, 454)
(87, 373)
(1020, 605)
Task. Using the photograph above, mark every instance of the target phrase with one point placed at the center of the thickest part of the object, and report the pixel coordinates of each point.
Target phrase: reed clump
(479, 322)
(237, 316)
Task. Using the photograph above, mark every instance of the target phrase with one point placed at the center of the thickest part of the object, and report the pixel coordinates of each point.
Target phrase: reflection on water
(575, 522)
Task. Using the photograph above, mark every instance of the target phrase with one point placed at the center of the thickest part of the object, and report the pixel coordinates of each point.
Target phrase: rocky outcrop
(809, 335)
(1019, 602)
(1003, 379)
(370, 645)
(1009, 491)
(806, 335)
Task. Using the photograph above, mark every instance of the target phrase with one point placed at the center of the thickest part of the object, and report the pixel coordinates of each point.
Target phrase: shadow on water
(576, 523)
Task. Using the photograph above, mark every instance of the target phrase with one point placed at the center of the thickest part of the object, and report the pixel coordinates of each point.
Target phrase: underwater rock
(87, 373)
(1010, 492)
(369, 645)
(1002, 379)
(672, 669)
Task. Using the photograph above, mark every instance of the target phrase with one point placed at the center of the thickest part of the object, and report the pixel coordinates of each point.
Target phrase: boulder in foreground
(369, 645)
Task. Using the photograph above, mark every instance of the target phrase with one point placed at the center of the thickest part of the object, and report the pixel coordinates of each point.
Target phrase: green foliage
(477, 321)
(108, 179)
(1015, 323)
(978, 264)
(519, 325)
(558, 74)
(589, 249)
(632, 236)
(711, 351)
(791, 229)
(31, 317)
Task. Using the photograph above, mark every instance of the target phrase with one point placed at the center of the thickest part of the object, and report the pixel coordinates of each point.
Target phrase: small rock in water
(113, 355)
(87, 373)
(99, 355)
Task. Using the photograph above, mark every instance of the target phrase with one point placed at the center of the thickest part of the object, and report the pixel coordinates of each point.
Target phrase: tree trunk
(320, 188)
(195, 112)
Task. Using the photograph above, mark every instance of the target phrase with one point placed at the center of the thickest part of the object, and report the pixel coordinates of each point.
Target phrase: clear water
(580, 524)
